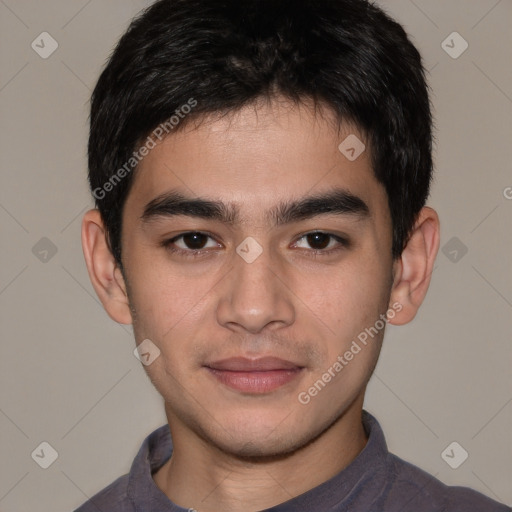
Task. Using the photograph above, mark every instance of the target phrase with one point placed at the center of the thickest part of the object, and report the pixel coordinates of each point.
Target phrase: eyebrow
(337, 202)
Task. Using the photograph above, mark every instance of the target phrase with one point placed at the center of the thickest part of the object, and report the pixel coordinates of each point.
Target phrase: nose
(255, 296)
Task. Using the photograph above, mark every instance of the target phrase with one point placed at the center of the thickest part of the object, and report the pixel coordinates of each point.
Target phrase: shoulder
(137, 486)
(411, 487)
(113, 498)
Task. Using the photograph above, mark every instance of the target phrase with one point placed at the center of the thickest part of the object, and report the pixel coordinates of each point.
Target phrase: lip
(244, 364)
(254, 376)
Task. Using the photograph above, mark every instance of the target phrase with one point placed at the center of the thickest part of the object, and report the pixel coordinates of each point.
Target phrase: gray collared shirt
(375, 481)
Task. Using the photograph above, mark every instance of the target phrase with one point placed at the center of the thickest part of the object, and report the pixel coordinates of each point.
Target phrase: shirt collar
(340, 489)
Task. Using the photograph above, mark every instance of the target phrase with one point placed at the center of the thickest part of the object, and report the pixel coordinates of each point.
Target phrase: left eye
(320, 241)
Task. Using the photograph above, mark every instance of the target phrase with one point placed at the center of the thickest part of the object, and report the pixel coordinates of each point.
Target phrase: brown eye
(195, 241)
(191, 244)
(322, 243)
(318, 240)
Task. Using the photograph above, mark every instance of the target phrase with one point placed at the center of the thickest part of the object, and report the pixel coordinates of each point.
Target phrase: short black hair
(221, 55)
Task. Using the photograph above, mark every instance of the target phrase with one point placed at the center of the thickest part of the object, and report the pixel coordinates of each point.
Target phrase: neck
(201, 477)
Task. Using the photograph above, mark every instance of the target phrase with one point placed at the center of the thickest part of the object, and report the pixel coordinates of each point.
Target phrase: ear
(104, 273)
(412, 271)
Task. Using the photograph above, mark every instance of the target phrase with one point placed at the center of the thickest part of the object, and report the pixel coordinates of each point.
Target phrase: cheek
(346, 298)
(350, 305)
(166, 302)
(171, 313)
(349, 308)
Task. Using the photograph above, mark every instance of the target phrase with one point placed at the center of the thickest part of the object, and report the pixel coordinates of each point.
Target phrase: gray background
(68, 375)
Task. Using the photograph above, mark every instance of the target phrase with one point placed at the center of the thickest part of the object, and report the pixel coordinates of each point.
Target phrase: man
(260, 170)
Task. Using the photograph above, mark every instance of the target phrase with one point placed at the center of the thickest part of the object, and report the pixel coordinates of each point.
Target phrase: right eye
(190, 244)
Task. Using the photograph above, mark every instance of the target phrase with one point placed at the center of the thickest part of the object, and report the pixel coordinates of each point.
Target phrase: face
(253, 300)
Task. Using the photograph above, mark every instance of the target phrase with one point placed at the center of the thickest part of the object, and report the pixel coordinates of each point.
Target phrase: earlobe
(103, 270)
(413, 270)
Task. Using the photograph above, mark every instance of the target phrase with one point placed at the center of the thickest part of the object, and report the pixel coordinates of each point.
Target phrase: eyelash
(191, 253)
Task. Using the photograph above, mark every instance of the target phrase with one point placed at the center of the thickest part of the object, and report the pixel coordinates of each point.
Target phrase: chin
(262, 436)
(273, 447)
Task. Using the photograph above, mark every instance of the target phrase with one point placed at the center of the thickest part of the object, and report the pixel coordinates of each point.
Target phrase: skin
(235, 450)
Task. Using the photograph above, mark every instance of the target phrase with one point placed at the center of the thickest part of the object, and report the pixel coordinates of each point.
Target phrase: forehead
(257, 157)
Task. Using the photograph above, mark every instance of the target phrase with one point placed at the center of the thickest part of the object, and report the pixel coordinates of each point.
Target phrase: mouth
(254, 376)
